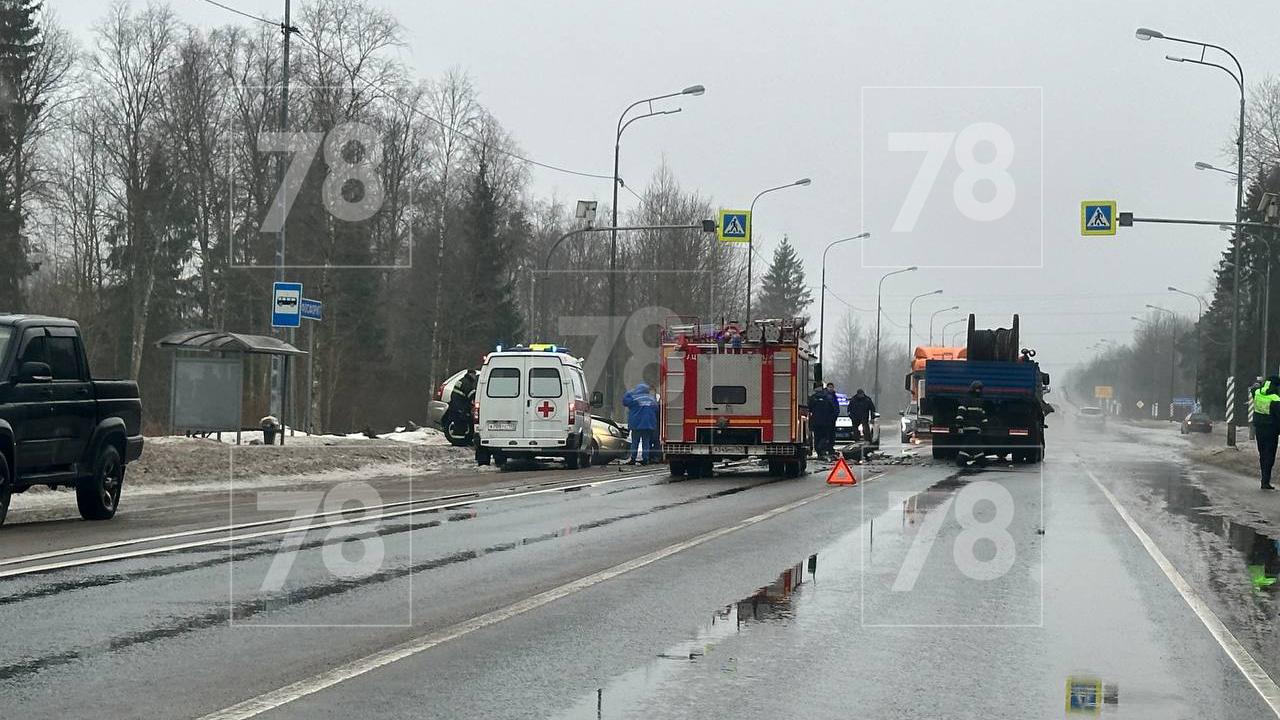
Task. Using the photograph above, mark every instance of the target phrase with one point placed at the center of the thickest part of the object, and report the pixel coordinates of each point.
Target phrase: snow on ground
(419, 436)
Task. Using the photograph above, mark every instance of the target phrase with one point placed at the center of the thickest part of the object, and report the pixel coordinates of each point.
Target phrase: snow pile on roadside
(418, 436)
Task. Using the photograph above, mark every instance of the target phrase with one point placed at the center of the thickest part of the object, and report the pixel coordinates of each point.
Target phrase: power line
(418, 111)
(242, 13)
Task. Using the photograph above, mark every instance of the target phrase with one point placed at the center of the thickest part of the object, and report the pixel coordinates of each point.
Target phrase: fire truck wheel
(793, 468)
(775, 467)
(482, 456)
(693, 469)
(708, 468)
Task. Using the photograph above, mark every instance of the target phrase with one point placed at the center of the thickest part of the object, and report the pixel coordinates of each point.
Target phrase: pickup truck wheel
(98, 495)
(6, 488)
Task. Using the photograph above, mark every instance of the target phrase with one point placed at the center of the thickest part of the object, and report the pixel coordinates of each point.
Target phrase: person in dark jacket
(862, 409)
(822, 420)
(1266, 425)
(464, 392)
(642, 420)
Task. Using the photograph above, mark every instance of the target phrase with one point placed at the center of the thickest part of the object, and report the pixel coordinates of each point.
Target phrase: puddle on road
(771, 603)
(1260, 552)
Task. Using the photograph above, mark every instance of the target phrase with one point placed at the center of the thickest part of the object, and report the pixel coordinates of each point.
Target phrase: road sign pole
(310, 394)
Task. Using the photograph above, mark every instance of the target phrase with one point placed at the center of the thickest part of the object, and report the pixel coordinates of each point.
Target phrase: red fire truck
(727, 395)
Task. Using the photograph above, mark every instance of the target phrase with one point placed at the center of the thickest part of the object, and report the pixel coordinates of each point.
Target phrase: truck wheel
(98, 495)
(482, 455)
(694, 468)
(677, 468)
(775, 468)
(791, 468)
(6, 489)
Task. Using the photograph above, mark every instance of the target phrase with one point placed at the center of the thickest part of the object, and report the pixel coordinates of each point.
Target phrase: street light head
(1174, 58)
(936, 292)
(954, 307)
(913, 267)
(1147, 34)
(1203, 166)
(693, 90)
(803, 181)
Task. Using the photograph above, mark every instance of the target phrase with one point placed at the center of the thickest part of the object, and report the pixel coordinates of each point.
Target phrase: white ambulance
(534, 402)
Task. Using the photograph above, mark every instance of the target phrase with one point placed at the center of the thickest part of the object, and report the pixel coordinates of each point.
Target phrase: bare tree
(132, 56)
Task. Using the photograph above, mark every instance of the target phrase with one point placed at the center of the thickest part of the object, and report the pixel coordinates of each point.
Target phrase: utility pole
(277, 361)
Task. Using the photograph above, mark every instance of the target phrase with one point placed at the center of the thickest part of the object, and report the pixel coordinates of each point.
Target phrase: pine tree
(783, 293)
(19, 42)
(491, 250)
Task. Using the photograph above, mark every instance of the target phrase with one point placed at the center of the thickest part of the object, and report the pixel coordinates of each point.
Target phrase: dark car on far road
(58, 425)
(1197, 422)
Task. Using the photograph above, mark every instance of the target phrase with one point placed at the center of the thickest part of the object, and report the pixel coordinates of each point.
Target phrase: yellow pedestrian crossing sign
(1097, 217)
(734, 226)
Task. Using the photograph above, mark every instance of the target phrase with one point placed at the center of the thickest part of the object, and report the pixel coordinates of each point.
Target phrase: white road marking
(358, 519)
(1248, 666)
(294, 691)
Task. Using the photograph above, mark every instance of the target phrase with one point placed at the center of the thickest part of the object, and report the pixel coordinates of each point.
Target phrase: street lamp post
(910, 308)
(1238, 77)
(822, 293)
(751, 225)
(1172, 351)
(943, 335)
(934, 315)
(623, 123)
(1199, 332)
(1140, 321)
(880, 287)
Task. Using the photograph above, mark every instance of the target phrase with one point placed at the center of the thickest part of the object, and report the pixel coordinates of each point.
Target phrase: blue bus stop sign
(286, 304)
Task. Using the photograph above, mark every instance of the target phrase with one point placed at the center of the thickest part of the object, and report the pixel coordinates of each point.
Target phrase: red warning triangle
(841, 474)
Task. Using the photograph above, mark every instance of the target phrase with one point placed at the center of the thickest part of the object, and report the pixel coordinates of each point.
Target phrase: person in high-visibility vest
(1266, 424)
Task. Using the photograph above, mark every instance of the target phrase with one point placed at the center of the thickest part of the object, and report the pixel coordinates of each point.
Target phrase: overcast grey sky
(785, 83)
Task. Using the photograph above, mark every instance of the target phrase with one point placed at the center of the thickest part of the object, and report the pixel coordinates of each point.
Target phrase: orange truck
(914, 427)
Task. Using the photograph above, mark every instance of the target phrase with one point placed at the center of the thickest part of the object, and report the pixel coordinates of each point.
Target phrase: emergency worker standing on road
(642, 420)
(822, 420)
(1266, 424)
(464, 391)
(862, 409)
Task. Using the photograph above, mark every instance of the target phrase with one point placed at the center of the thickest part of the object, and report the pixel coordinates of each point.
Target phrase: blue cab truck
(1013, 390)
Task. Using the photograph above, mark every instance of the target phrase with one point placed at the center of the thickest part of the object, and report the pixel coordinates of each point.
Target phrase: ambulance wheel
(500, 459)
(573, 461)
(482, 456)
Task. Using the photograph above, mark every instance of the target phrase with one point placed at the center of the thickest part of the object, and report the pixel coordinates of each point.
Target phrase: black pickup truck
(59, 426)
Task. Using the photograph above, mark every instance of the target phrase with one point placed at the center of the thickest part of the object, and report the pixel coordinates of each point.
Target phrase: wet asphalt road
(922, 592)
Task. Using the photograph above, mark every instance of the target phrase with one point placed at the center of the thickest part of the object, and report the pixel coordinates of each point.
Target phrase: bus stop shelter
(206, 387)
